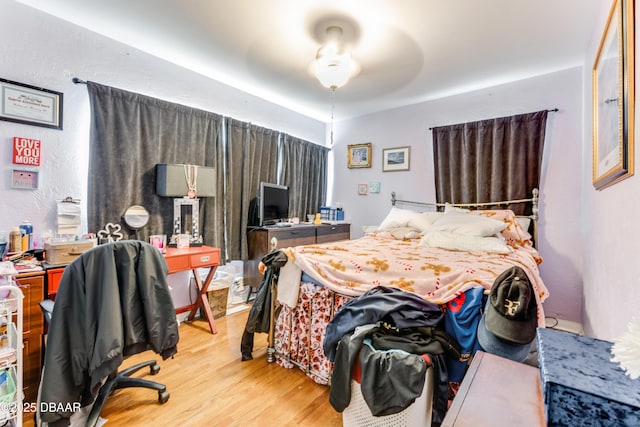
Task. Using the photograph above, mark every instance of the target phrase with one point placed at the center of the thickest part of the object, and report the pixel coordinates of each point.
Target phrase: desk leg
(202, 299)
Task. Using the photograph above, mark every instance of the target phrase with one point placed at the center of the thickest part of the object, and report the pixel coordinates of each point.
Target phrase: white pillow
(448, 207)
(397, 218)
(368, 229)
(524, 222)
(404, 233)
(424, 220)
(464, 223)
(461, 242)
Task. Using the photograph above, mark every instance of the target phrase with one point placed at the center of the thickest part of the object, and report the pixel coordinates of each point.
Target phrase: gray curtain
(304, 170)
(489, 160)
(252, 157)
(130, 134)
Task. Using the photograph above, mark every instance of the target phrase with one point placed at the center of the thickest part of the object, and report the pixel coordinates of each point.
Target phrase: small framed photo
(363, 189)
(395, 159)
(359, 155)
(24, 179)
(30, 105)
(374, 187)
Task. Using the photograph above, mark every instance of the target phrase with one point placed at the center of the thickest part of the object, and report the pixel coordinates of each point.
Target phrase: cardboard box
(581, 385)
(66, 252)
(172, 182)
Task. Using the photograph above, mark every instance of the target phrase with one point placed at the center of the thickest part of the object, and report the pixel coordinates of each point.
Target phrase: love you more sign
(26, 151)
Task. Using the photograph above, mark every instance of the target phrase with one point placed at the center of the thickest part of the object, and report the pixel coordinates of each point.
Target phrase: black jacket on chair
(113, 301)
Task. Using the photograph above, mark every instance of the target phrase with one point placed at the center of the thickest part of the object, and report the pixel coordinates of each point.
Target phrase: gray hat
(512, 312)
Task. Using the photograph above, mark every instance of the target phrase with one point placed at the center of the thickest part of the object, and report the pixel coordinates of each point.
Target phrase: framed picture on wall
(31, 105)
(395, 159)
(613, 98)
(359, 155)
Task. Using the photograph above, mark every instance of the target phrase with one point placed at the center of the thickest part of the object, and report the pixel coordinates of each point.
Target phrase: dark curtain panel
(130, 134)
(252, 157)
(489, 160)
(304, 169)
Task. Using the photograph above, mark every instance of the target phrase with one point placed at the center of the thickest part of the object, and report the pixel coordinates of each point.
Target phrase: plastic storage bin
(8, 344)
(8, 403)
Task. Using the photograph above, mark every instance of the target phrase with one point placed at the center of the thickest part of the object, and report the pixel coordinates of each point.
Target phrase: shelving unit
(11, 363)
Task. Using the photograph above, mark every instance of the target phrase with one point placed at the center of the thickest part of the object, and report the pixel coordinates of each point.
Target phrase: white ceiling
(408, 51)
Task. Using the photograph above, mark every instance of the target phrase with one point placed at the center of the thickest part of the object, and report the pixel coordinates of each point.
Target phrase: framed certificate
(31, 105)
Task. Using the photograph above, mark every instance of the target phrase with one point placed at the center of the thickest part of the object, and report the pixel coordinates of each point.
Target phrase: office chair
(114, 293)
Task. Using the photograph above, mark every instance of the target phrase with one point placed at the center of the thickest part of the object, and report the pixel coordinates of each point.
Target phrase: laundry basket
(357, 414)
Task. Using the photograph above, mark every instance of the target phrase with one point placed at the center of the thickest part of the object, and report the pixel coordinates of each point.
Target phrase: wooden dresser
(259, 242)
(32, 286)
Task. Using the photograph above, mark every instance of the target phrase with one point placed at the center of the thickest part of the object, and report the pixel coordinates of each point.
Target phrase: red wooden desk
(193, 258)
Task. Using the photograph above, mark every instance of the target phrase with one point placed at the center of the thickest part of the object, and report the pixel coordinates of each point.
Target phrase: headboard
(533, 200)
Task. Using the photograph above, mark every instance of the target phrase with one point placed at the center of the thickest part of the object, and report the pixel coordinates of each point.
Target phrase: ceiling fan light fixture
(333, 71)
(333, 65)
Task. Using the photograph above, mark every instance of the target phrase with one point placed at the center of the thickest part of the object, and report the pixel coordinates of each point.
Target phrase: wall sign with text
(26, 151)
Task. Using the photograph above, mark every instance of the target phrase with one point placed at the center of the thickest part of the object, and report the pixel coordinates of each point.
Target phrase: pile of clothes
(392, 337)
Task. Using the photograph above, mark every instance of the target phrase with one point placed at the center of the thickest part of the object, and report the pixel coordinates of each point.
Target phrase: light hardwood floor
(210, 386)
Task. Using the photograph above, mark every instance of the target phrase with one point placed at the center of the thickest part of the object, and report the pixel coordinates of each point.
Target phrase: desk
(497, 392)
(193, 258)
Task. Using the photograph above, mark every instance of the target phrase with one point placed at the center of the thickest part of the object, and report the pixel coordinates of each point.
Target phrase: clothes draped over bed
(259, 319)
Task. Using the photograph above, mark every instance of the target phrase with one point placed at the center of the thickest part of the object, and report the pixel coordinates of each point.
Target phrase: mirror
(136, 217)
(186, 220)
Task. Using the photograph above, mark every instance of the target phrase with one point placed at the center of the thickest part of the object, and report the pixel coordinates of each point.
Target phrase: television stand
(259, 242)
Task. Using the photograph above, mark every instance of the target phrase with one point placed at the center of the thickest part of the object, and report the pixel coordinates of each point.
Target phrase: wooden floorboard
(211, 386)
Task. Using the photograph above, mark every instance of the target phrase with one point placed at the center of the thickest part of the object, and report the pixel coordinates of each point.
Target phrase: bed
(437, 251)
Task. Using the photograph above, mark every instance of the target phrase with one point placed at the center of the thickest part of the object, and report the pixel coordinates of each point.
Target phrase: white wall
(611, 229)
(44, 51)
(560, 217)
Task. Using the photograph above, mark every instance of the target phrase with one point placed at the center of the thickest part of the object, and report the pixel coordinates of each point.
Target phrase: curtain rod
(76, 80)
(551, 110)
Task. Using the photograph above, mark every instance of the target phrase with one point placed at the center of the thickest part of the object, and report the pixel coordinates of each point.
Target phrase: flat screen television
(273, 203)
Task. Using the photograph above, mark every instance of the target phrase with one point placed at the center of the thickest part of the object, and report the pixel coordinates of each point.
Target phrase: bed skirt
(299, 332)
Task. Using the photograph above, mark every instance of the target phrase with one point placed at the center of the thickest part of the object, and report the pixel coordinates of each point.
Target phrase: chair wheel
(163, 396)
(155, 368)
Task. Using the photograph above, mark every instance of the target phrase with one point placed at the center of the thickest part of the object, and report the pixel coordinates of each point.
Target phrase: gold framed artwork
(614, 98)
(359, 155)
